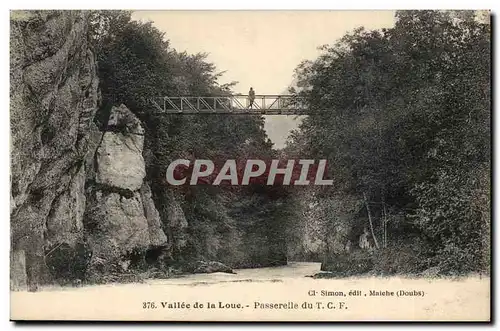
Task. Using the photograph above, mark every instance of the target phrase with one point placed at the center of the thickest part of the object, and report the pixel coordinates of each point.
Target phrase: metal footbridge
(232, 104)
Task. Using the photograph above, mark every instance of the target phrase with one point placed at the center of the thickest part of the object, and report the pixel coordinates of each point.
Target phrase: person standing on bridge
(251, 97)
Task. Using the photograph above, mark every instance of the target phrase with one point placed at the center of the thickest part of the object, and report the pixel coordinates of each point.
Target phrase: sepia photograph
(250, 165)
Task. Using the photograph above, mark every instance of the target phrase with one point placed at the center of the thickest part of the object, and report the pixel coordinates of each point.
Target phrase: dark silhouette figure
(251, 97)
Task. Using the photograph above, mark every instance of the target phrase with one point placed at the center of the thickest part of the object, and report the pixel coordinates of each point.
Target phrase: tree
(408, 126)
(137, 63)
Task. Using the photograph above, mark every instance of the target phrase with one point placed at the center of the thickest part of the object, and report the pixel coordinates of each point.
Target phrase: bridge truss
(232, 104)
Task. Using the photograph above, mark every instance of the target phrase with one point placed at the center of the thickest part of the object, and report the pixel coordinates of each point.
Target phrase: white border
(255, 4)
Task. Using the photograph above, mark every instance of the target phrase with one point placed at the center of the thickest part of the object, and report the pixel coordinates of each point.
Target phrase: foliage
(137, 63)
(409, 126)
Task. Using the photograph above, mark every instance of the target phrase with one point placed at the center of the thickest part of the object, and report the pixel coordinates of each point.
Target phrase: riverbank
(249, 291)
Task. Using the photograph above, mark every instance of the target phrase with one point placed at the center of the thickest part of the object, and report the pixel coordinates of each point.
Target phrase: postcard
(250, 165)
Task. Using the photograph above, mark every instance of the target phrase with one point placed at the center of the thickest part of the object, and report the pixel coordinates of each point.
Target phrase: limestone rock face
(65, 220)
(123, 226)
(120, 162)
(72, 185)
(176, 223)
(18, 278)
(53, 99)
(122, 119)
(119, 156)
(127, 223)
(121, 216)
(156, 235)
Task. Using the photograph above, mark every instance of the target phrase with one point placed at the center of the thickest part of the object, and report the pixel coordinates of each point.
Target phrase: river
(293, 270)
(263, 294)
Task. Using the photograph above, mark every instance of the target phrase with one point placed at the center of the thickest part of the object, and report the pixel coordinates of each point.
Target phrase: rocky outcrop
(176, 223)
(78, 195)
(53, 99)
(203, 267)
(121, 216)
(119, 157)
(18, 279)
(156, 235)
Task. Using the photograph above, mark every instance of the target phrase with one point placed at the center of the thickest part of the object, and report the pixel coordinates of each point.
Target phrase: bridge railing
(264, 104)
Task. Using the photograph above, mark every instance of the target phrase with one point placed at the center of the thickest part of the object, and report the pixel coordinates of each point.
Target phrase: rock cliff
(53, 99)
(73, 187)
(121, 217)
(81, 203)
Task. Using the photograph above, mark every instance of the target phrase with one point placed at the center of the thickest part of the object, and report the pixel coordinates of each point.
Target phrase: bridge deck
(232, 104)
